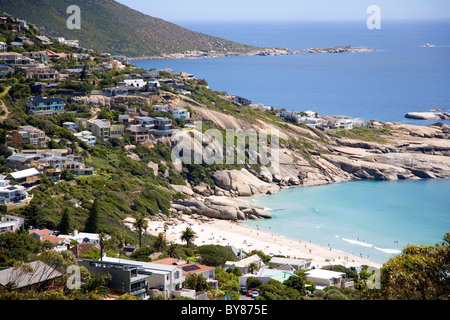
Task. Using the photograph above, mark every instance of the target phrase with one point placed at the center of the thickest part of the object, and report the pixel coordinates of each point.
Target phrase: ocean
(401, 77)
(375, 219)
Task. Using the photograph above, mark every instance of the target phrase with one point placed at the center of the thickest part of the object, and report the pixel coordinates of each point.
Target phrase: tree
(297, 283)
(64, 224)
(93, 219)
(160, 242)
(187, 236)
(418, 273)
(140, 224)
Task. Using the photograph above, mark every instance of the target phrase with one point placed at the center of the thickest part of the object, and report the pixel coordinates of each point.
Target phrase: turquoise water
(373, 218)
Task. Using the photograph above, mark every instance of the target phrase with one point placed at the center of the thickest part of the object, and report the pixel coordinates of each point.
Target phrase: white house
(179, 112)
(86, 136)
(296, 264)
(325, 278)
(10, 223)
(243, 265)
(266, 274)
(82, 237)
(139, 83)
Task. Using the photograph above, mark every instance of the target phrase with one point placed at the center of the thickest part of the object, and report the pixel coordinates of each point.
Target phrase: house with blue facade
(45, 106)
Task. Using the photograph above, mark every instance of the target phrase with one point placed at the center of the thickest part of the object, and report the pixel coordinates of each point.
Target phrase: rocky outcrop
(242, 183)
(221, 208)
(428, 115)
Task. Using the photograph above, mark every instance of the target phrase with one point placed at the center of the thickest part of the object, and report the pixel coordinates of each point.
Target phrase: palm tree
(160, 242)
(140, 224)
(187, 235)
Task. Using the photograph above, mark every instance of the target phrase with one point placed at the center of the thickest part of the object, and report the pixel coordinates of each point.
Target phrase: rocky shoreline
(428, 115)
(259, 52)
(409, 152)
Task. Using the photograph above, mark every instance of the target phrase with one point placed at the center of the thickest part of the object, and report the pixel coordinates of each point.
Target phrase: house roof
(324, 274)
(41, 233)
(41, 272)
(24, 173)
(187, 267)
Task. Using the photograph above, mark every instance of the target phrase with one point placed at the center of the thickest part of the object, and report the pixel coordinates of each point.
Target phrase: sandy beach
(236, 234)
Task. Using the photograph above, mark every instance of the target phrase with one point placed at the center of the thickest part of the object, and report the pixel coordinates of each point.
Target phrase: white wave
(390, 251)
(359, 243)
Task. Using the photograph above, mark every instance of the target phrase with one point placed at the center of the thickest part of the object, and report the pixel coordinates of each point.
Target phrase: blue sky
(279, 10)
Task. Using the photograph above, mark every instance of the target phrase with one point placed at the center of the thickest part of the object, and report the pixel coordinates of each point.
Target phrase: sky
(287, 10)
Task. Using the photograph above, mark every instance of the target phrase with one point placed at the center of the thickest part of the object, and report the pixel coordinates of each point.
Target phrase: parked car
(250, 293)
(244, 290)
(255, 294)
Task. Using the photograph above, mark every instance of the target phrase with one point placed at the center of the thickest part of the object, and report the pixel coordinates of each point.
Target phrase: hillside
(108, 26)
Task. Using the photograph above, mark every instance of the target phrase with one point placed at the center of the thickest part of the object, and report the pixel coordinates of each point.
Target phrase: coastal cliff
(311, 157)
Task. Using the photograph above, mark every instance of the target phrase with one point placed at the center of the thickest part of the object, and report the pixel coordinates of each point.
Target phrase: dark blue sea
(375, 219)
(400, 77)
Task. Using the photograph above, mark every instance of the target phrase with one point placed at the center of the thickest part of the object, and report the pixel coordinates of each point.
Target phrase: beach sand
(240, 236)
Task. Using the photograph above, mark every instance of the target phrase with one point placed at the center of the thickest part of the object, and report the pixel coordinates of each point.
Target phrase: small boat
(428, 45)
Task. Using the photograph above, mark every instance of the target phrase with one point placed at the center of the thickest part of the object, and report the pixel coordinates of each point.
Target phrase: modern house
(3, 46)
(27, 178)
(71, 126)
(45, 106)
(244, 265)
(82, 237)
(40, 73)
(87, 137)
(101, 128)
(139, 83)
(140, 134)
(167, 279)
(266, 274)
(295, 264)
(42, 277)
(26, 135)
(179, 112)
(325, 278)
(192, 268)
(10, 223)
(144, 121)
(12, 197)
(125, 277)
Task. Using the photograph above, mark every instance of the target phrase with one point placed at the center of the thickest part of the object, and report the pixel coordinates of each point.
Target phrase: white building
(87, 137)
(139, 83)
(10, 223)
(325, 278)
(179, 112)
(244, 264)
(82, 237)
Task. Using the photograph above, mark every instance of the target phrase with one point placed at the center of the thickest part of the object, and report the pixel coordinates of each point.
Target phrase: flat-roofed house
(141, 135)
(325, 278)
(10, 223)
(27, 178)
(101, 128)
(166, 278)
(12, 196)
(45, 106)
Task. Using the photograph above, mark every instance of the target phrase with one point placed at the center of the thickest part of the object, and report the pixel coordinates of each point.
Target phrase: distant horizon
(290, 10)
